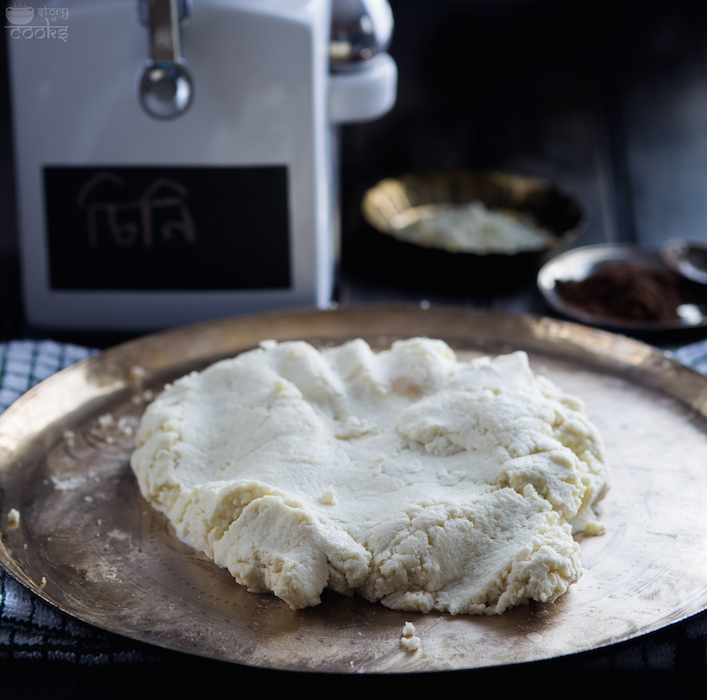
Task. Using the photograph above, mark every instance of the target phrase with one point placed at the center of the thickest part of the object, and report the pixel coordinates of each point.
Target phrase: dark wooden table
(607, 100)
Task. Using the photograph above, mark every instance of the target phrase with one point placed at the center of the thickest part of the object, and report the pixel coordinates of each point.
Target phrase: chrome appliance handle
(166, 88)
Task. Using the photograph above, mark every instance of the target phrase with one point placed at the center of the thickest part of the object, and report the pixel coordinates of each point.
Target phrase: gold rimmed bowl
(394, 205)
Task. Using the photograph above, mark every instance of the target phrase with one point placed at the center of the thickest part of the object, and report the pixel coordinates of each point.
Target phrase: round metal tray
(88, 544)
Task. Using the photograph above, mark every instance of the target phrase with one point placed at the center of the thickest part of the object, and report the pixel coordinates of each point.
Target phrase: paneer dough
(406, 476)
(472, 228)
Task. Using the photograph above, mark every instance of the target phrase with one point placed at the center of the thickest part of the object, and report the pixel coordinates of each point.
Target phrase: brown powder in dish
(627, 292)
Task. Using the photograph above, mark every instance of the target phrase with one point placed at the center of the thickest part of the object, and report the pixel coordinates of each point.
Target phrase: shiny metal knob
(360, 30)
(166, 88)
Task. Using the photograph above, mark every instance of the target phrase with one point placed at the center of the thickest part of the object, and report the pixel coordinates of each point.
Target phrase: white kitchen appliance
(177, 162)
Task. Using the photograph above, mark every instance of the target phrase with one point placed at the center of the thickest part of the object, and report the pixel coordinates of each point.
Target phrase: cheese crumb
(106, 421)
(136, 377)
(409, 641)
(68, 484)
(13, 518)
(125, 425)
(328, 497)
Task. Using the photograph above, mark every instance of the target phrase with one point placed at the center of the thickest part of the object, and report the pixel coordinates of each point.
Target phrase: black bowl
(394, 203)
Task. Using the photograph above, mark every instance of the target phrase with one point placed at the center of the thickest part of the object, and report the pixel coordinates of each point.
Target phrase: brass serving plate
(89, 545)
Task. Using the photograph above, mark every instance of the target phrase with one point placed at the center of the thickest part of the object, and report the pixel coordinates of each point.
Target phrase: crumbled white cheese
(472, 228)
(125, 425)
(410, 643)
(457, 484)
(136, 377)
(68, 484)
(13, 518)
(106, 421)
(328, 496)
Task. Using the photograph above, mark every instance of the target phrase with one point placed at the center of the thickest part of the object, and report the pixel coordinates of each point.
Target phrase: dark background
(607, 100)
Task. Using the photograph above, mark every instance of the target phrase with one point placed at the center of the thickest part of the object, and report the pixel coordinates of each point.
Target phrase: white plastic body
(262, 96)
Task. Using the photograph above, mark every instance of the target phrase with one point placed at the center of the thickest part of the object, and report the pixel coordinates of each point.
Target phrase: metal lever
(165, 86)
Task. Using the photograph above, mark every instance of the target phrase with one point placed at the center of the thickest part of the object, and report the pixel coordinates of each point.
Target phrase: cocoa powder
(628, 292)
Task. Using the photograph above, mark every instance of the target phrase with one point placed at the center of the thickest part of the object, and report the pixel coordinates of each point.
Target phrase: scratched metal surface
(88, 544)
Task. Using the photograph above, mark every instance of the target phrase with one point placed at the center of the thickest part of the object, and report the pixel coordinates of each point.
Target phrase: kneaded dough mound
(405, 476)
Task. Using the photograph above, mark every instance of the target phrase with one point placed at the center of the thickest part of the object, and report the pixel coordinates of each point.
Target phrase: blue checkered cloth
(31, 629)
(694, 355)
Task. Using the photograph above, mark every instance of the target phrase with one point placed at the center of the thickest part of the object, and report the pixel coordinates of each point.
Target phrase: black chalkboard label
(155, 228)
